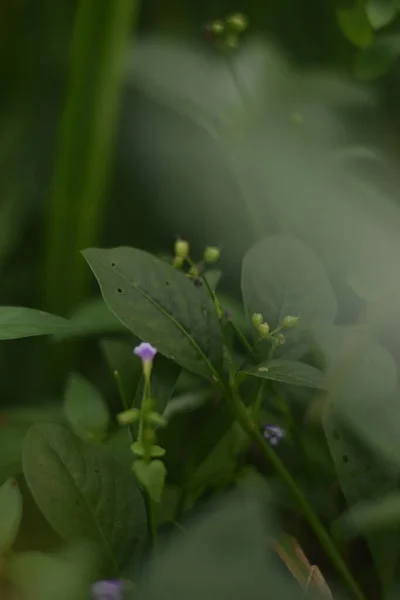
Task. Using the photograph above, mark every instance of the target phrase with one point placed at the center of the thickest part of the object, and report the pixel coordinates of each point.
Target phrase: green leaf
(375, 61)
(378, 515)
(151, 476)
(93, 318)
(281, 276)
(363, 475)
(355, 25)
(10, 514)
(224, 555)
(160, 305)
(84, 493)
(19, 322)
(291, 372)
(380, 12)
(85, 409)
(65, 575)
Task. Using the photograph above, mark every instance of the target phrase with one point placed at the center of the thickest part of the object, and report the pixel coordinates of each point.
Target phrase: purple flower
(145, 351)
(110, 589)
(273, 434)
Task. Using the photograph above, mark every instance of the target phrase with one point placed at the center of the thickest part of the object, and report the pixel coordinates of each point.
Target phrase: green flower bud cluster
(227, 31)
(195, 270)
(275, 336)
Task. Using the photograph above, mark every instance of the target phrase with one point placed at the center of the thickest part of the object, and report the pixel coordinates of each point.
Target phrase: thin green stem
(152, 514)
(324, 538)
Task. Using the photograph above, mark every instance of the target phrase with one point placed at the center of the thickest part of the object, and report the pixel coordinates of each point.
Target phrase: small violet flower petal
(145, 351)
(273, 434)
(107, 590)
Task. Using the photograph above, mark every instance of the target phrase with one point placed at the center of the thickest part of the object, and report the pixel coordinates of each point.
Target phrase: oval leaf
(291, 372)
(85, 493)
(281, 276)
(10, 514)
(161, 306)
(20, 322)
(85, 408)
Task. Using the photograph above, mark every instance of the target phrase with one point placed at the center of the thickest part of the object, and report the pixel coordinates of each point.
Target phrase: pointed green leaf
(20, 322)
(355, 25)
(10, 514)
(151, 476)
(291, 372)
(84, 493)
(160, 305)
(85, 409)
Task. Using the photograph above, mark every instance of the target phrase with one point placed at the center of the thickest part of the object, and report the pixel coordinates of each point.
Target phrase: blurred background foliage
(67, 182)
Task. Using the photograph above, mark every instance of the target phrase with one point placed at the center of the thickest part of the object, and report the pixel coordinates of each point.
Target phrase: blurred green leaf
(94, 318)
(85, 409)
(291, 372)
(355, 25)
(381, 12)
(364, 476)
(10, 514)
(379, 515)
(161, 306)
(84, 493)
(223, 554)
(375, 61)
(20, 322)
(66, 575)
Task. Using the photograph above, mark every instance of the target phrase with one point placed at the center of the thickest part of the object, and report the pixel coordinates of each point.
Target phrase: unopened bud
(217, 27)
(194, 271)
(211, 254)
(263, 330)
(237, 22)
(178, 262)
(182, 249)
(257, 319)
(290, 322)
(127, 417)
(279, 340)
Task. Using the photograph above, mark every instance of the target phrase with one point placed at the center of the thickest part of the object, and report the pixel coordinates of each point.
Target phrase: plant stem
(83, 160)
(152, 513)
(324, 538)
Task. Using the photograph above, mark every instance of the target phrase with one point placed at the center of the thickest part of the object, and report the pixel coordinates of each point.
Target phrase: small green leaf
(138, 449)
(19, 322)
(156, 419)
(380, 12)
(291, 372)
(10, 514)
(85, 494)
(157, 452)
(160, 305)
(355, 25)
(151, 476)
(85, 409)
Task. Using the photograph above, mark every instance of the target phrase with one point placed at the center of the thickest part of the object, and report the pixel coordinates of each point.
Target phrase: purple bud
(273, 434)
(145, 351)
(107, 590)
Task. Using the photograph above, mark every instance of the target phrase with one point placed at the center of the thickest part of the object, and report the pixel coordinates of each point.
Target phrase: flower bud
(194, 271)
(237, 22)
(290, 322)
(279, 340)
(178, 262)
(257, 319)
(211, 254)
(217, 27)
(127, 417)
(182, 249)
(263, 330)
